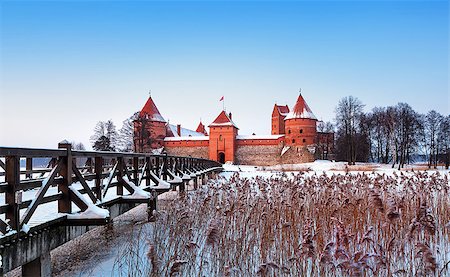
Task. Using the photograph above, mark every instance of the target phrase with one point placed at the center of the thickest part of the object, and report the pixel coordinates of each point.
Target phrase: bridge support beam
(40, 267)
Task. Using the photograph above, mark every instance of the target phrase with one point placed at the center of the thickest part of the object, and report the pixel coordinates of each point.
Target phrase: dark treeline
(394, 134)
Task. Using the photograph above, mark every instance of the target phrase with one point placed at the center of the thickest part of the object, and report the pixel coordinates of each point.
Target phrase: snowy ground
(81, 257)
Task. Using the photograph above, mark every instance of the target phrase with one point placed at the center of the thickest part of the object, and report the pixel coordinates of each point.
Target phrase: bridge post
(164, 169)
(98, 177)
(41, 267)
(64, 204)
(136, 170)
(13, 179)
(152, 206)
(177, 170)
(29, 167)
(120, 165)
(147, 170)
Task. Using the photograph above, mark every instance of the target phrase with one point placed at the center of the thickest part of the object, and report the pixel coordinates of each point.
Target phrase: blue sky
(65, 65)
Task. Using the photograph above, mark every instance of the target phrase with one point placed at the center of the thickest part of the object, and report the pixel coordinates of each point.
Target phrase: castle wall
(296, 155)
(258, 154)
(271, 155)
(196, 152)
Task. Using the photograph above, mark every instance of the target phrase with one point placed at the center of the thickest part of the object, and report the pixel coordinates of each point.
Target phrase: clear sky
(65, 65)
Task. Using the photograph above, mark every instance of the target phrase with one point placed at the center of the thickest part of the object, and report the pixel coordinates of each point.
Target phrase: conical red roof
(201, 129)
(223, 120)
(150, 111)
(301, 110)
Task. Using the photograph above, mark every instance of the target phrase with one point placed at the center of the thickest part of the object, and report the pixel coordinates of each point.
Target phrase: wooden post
(158, 167)
(13, 179)
(164, 171)
(152, 206)
(136, 170)
(120, 165)
(29, 167)
(147, 171)
(65, 203)
(89, 165)
(98, 177)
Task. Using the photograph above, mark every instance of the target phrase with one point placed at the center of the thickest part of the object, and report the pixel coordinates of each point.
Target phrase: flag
(221, 98)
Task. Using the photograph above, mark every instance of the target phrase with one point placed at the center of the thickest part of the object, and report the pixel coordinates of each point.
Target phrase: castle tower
(222, 138)
(149, 128)
(300, 125)
(279, 113)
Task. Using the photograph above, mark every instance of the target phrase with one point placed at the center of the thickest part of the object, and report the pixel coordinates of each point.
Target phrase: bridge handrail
(64, 169)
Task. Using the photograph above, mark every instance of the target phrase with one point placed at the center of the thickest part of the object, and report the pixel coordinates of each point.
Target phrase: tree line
(393, 134)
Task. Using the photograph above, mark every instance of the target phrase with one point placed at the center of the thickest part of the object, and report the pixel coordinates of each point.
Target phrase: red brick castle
(294, 137)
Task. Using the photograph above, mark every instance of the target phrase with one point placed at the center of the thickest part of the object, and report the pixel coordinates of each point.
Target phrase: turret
(149, 128)
(300, 125)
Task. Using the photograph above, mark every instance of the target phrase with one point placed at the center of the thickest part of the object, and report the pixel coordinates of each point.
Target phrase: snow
(184, 132)
(197, 138)
(154, 117)
(92, 212)
(285, 149)
(161, 183)
(186, 177)
(25, 228)
(223, 124)
(138, 192)
(304, 114)
(259, 136)
(175, 179)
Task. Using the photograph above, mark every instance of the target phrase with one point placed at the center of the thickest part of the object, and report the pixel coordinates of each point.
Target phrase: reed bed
(364, 224)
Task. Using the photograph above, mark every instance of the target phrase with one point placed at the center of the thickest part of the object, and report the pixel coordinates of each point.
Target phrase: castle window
(220, 137)
(293, 141)
(289, 131)
(304, 140)
(301, 131)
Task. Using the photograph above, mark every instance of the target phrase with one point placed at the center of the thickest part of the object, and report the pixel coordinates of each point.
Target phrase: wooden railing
(95, 174)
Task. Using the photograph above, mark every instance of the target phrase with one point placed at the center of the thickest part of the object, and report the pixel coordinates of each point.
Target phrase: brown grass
(308, 225)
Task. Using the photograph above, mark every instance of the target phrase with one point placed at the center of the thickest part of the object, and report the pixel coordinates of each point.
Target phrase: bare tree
(444, 140)
(432, 124)
(408, 129)
(125, 135)
(350, 141)
(77, 146)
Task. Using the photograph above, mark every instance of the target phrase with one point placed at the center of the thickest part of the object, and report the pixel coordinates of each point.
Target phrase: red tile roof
(223, 120)
(301, 110)
(201, 129)
(150, 111)
(283, 110)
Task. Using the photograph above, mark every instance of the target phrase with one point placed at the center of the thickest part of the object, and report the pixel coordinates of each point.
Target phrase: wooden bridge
(46, 207)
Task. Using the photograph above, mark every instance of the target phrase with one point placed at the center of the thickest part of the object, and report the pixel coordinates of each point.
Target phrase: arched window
(304, 140)
(293, 141)
(220, 137)
(289, 131)
(301, 131)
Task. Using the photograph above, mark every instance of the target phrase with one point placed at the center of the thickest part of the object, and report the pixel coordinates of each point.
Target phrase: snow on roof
(223, 120)
(301, 110)
(150, 111)
(259, 136)
(186, 138)
(283, 110)
(184, 132)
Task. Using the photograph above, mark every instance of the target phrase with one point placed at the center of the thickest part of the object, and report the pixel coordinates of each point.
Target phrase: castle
(294, 137)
